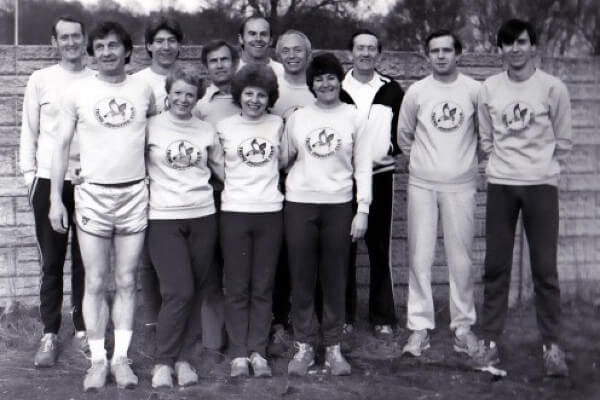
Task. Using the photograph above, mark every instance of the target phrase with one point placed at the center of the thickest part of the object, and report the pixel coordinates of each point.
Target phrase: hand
(359, 226)
(59, 219)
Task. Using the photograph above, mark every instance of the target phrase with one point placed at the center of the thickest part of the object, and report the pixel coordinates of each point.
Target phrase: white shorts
(108, 210)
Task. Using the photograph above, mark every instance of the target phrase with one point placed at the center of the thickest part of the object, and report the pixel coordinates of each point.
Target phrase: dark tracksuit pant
(53, 249)
(378, 239)
(318, 242)
(250, 244)
(282, 288)
(539, 207)
(182, 253)
(150, 287)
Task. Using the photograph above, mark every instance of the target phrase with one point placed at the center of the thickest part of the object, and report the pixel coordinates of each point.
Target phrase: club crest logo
(256, 151)
(182, 154)
(323, 142)
(517, 116)
(114, 112)
(447, 116)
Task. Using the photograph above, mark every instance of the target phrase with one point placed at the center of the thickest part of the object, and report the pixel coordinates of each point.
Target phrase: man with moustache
(525, 128)
(255, 38)
(220, 60)
(378, 100)
(41, 105)
(109, 111)
(437, 132)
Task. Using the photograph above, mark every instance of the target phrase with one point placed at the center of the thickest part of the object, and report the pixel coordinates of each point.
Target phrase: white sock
(97, 349)
(122, 341)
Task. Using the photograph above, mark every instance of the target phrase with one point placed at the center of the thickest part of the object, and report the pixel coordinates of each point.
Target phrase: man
(40, 120)
(525, 129)
(220, 60)
(110, 111)
(378, 99)
(437, 132)
(163, 37)
(255, 38)
(294, 50)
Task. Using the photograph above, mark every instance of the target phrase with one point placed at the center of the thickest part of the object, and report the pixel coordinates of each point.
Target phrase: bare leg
(95, 252)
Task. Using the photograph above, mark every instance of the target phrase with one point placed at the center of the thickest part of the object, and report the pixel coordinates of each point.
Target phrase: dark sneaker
(335, 361)
(260, 367)
(466, 342)
(47, 353)
(95, 376)
(348, 329)
(80, 343)
(186, 374)
(554, 361)
(162, 376)
(486, 356)
(239, 367)
(122, 373)
(279, 343)
(302, 360)
(417, 343)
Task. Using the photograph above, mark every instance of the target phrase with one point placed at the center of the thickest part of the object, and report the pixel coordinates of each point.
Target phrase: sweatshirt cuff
(363, 208)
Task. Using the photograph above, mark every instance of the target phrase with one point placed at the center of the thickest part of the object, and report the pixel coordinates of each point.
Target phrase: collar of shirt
(212, 91)
(374, 83)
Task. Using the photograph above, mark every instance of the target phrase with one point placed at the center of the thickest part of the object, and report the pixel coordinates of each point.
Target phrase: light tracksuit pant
(457, 211)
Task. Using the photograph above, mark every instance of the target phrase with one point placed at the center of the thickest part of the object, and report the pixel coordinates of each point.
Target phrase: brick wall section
(579, 245)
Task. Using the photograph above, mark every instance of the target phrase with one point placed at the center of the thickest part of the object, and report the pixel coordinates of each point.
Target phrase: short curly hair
(324, 63)
(187, 74)
(105, 28)
(260, 76)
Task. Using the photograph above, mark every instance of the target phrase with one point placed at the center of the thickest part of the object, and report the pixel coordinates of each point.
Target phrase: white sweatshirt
(525, 127)
(178, 157)
(41, 108)
(215, 106)
(111, 122)
(291, 97)
(436, 129)
(252, 151)
(326, 149)
(157, 82)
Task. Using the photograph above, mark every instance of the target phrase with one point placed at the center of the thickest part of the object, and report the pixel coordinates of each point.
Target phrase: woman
(251, 219)
(326, 150)
(182, 226)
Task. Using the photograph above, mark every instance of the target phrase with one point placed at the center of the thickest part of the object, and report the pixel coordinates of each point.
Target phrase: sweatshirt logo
(256, 151)
(182, 154)
(517, 116)
(114, 112)
(323, 142)
(447, 116)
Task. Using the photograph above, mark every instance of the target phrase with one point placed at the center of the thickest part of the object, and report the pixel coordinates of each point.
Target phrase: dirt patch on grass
(379, 372)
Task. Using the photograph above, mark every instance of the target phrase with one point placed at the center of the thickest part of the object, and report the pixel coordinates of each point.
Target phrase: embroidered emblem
(114, 112)
(181, 154)
(256, 151)
(517, 116)
(323, 142)
(447, 116)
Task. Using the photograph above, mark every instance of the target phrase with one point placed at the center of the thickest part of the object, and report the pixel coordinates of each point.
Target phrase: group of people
(244, 198)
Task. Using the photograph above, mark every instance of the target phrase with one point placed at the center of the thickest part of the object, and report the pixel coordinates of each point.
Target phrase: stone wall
(579, 245)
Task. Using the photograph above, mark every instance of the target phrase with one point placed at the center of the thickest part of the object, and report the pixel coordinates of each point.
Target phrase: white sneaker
(162, 376)
(417, 343)
(259, 365)
(239, 367)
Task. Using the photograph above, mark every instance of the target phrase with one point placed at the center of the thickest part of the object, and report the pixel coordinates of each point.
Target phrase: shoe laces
(335, 353)
(553, 354)
(47, 342)
(302, 350)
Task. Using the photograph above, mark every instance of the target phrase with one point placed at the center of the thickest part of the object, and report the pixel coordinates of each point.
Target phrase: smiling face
(365, 51)
(219, 65)
(327, 89)
(164, 48)
(442, 56)
(293, 54)
(256, 38)
(520, 54)
(110, 53)
(254, 102)
(69, 40)
(182, 98)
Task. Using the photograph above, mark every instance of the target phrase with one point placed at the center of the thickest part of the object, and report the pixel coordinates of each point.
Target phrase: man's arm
(30, 131)
(486, 128)
(407, 122)
(560, 115)
(58, 215)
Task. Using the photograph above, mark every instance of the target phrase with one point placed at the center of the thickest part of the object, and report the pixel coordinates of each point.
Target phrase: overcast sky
(195, 5)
